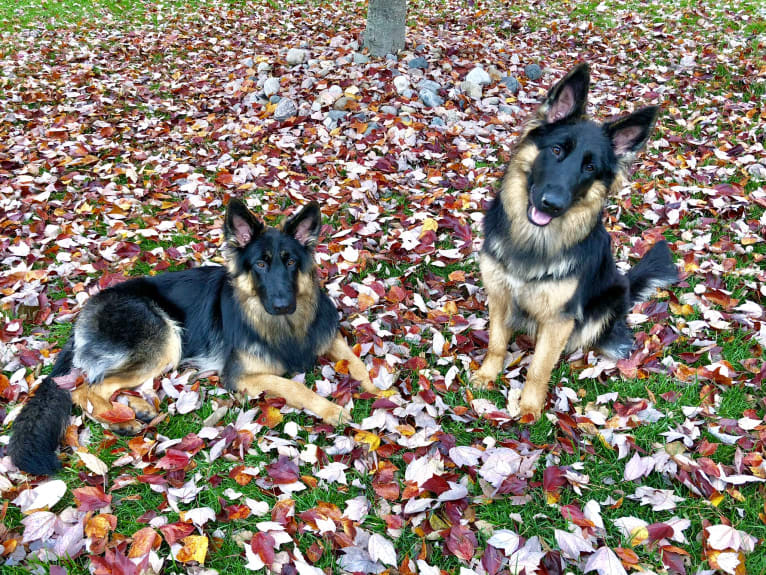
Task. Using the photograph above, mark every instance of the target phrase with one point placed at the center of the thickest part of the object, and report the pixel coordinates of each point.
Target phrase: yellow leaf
(194, 549)
(551, 497)
(638, 536)
(429, 225)
(372, 440)
(717, 498)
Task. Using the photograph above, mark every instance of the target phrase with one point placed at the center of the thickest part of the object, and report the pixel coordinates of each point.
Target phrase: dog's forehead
(273, 241)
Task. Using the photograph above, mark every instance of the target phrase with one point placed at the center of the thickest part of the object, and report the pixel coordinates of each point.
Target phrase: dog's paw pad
(144, 410)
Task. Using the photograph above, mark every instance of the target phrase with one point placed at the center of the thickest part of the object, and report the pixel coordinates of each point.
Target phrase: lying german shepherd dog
(546, 262)
(258, 318)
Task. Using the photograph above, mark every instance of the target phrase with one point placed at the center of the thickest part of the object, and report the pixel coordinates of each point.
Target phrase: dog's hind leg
(500, 307)
(340, 350)
(296, 394)
(552, 338)
(95, 401)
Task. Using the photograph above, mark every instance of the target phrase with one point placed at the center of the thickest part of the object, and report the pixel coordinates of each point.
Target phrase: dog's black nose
(283, 308)
(552, 204)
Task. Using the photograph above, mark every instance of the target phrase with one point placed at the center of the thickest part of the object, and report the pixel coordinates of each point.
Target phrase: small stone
(389, 110)
(505, 109)
(263, 67)
(360, 58)
(429, 85)
(337, 114)
(431, 99)
(392, 58)
(511, 83)
(296, 56)
(478, 76)
(533, 72)
(285, 109)
(757, 171)
(420, 48)
(437, 122)
(251, 98)
(274, 99)
(328, 96)
(342, 103)
(471, 89)
(407, 94)
(271, 86)
(419, 63)
(401, 83)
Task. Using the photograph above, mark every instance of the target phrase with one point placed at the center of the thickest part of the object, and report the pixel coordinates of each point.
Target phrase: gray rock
(392, 58)
(263, 67)
(360, 58)
(757, 171)
(431, 99)
(271, 86)
(478, 76)
(296, 56)
(437, 122)
(274, 99)
(401, 83)
(285, 109)
(470, 89)
(341, 103)
(429, 85)
(337, 114)
(408, 94)
(511, 83)
(251, 98)
(389, 110)
(328, 96)
(533, 72)
(420, 48)
(419, 63)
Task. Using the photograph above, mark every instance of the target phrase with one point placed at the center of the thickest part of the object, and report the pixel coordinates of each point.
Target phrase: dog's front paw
(483, 378)
(336, 415)
(144, 410)
(128, 428)
(532, 403)
(368, 386)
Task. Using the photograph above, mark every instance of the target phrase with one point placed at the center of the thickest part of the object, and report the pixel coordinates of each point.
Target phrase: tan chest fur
(542, 300)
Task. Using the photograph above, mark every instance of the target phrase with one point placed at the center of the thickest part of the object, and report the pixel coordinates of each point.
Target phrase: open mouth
(534, 215)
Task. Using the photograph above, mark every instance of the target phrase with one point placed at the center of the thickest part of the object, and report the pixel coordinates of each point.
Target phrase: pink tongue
(540, 218)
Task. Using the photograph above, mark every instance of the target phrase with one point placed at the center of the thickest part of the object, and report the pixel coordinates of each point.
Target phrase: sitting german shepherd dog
(546, 262)
(261, 316)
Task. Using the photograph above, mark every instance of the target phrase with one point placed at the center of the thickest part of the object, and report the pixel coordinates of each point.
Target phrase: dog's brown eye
(589, 167)
(261, 264)
(556, 150)
(291, 262)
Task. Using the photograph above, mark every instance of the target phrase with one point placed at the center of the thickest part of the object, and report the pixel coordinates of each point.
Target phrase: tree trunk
(386, 22)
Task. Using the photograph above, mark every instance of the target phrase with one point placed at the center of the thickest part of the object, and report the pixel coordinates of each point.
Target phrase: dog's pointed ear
(630, 133)
(305, 225)
(568, 98)
(241, 226)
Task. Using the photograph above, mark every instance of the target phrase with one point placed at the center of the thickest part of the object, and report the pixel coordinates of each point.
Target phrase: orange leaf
(100, 525)
(120, 413)
(143, 541)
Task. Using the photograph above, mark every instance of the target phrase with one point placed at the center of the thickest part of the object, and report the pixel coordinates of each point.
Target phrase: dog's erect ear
(241, 226)
(305, 225)
(568, 98)
(630, 133)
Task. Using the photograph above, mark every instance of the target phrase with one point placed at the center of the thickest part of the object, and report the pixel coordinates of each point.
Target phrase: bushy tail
(655, 269)
(37, 430)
